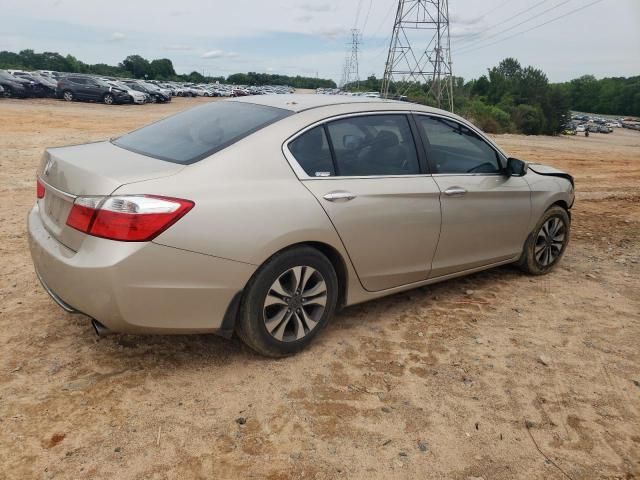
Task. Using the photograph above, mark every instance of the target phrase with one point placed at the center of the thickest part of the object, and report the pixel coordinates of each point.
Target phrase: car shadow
(208, 350)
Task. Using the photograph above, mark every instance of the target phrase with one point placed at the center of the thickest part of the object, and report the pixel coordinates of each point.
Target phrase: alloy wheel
(68, 96)
(108, 99)
(550, 241)
(295, 303)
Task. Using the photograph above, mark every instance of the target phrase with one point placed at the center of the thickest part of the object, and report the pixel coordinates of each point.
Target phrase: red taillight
(39, 188)
(127, 218)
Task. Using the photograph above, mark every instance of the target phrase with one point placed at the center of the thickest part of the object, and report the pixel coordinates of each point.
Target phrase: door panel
(485, 219)
(390, 226)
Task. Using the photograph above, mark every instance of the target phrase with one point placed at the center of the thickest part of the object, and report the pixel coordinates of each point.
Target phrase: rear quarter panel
(249, 203)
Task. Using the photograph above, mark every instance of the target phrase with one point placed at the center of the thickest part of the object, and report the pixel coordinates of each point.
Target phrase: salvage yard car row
(111, 90)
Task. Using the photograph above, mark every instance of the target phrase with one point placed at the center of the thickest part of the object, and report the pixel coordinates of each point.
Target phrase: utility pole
(351, 69)
(420, 51)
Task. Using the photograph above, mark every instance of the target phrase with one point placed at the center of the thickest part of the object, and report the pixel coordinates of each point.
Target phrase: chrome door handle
(339, 196)
(455, 191)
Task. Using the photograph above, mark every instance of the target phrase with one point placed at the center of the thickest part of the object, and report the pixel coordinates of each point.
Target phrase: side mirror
(516, 168)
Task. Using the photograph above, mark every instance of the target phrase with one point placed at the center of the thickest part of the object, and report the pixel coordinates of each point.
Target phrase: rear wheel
(546, 245)
(287, 302)
(67, 95)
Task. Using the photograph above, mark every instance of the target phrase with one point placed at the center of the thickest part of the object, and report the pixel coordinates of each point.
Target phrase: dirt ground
(494, 376)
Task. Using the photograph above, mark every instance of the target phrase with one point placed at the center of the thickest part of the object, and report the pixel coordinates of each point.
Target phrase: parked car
(135, 96)
(237, 215)
(605, 129)
(15, 86)
(42, 87)
(155, 95)
(84, 87)
(581, 128)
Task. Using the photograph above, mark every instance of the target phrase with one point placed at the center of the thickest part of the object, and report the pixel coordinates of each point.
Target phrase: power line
(522, 23)
(366, 18)
(355, 24)
(393, 3)
(534, 27)
(469, 38)
(494, 9)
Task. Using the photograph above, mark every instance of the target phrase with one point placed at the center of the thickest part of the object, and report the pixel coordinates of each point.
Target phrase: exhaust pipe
(100, 329)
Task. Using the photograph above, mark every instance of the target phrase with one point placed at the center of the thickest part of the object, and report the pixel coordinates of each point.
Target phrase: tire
(153, 99)
(108, 99)
(274, 320)
(7, 92)
(548, 236)
(67, 96)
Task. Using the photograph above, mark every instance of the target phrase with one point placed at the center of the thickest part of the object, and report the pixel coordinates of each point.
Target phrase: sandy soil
(497, 375)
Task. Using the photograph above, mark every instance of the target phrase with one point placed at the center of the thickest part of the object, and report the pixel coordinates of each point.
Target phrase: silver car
(264, 215)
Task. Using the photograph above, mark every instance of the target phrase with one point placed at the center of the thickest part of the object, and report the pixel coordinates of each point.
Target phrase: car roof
(297, 102)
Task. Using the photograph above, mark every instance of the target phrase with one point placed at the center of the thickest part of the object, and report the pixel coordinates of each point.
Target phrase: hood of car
(21, 81)
(541, 169)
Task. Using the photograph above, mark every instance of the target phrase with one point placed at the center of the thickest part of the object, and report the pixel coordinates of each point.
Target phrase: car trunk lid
(88, 170)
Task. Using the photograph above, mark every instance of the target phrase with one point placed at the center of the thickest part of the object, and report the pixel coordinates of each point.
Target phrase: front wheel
(287, 302)
(108, 99)
(67, 95)
(546, 245)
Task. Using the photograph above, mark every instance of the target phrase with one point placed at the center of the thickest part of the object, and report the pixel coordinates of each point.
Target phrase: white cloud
(213, 54)
(219, 54)
(316, 7)
(179, 48)
(331, 31)
(117, 37)
(304, 18)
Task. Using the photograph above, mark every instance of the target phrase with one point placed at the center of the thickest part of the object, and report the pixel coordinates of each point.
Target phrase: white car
(580, 128)
(136, 97)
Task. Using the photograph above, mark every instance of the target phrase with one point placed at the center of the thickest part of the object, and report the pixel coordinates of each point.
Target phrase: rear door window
(374, 145)
(199, 132)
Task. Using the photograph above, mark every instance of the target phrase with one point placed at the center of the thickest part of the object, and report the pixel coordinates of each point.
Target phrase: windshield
(199, 132)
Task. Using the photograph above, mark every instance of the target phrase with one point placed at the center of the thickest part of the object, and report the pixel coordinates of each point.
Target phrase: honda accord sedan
(264, 215)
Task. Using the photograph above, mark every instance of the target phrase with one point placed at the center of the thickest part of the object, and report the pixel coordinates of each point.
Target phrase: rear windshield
(199, 132)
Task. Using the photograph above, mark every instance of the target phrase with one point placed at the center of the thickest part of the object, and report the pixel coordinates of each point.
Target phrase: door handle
(455, 191)
(339, 196)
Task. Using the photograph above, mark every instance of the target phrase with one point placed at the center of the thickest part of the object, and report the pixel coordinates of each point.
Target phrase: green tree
(137, 66)
(162, 69)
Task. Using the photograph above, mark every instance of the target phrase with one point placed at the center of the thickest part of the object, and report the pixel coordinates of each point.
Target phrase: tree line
(136, 66)
(512, 98)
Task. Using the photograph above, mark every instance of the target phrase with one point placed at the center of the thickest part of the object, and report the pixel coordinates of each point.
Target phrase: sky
(312, 37)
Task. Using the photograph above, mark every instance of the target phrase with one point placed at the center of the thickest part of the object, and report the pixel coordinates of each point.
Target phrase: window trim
(502, 157)
(302, 175)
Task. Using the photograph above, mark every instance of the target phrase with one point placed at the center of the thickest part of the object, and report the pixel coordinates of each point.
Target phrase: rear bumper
(138, 287)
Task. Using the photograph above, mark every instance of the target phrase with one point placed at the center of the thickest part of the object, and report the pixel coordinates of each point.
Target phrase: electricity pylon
(420, 51)
(351, 69)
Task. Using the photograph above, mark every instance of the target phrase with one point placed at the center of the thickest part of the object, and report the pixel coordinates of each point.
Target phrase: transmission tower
(420, 51)
(351, 69)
